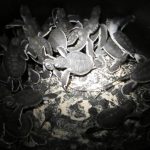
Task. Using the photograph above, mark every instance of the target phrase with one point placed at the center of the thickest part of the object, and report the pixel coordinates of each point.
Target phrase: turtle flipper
(99, 62)
(31, 52)
(65, 78)
(103, 35)
(128, 87)
(34, 76)
(62, 51)
(83, 35)
(57, 74)
(72, 38)
(114, 67)
(95, 36)
(89, 48)
(15, 84)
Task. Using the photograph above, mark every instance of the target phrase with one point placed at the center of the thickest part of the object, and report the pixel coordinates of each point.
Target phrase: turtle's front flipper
(128, 87)
(65, 78)
(103, 35)
(83, 35)
(118, 62)
(34, 77)
(89, 48)
(114, 67)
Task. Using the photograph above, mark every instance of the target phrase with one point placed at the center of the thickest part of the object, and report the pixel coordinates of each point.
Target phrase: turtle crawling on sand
(77, 63)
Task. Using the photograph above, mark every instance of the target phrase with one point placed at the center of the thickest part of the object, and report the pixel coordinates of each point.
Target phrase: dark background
(138, 32)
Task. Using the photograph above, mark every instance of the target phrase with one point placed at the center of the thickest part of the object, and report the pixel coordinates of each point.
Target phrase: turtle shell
(36, 44)
(141, 73)
(111, 118)
(14, 64)
(57, 38)
(112, 49)
(79, 63)
(123, 42)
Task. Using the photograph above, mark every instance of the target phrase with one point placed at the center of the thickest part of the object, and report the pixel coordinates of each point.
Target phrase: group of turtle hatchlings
(68, 45)
(65, 45)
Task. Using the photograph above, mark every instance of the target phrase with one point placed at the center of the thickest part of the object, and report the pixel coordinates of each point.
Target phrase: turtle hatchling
(83, 34)
(14, 63)
(141, 74)
(76, 63)
(62, 21)
(121, 39)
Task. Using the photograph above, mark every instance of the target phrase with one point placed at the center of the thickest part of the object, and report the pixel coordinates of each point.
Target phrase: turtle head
(140, 58)
(112, 26)
(60, 62)
(61, 13)
(96, 11)
(48, 64)
(118, 23)
(48, 61)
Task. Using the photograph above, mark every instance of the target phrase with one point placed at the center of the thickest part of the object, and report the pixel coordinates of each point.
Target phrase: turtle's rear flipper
(128, 87)
(15, 84)
(99, 62)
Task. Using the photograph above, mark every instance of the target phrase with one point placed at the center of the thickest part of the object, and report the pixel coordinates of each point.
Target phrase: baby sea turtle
(14, 62)
(30, 27)
(34, 48)
(119, 38)
(28, 98)
(76, 63)
(66, 24)
(62, 21)
(111, 118)
(116, 53)
(35, 41)
(141, 74)
(83, 34)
